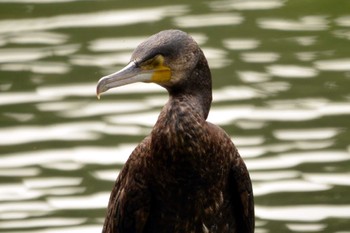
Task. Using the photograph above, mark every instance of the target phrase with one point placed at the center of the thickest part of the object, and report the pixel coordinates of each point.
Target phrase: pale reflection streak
(305, 227)
(306, 23)
(241, 44)
(63, 165)
(17, 192)
(115, 44)
(20, 192)
(22, 172)
(328, 178)
(288, 160)
(291, 71)
(109, 175)
(37, 67)
(24, 209)
(19, 117)
(343, 21)
(234, 93)
(310, 213)
(256, 151)
(261, 176)
(294, 186)
(102, 18)
(63, 132)
(80, 155)
(259, 57)
(23, 97)
(51, 182)
(42, 222)
(17, 55)
(305, 40)
(253, 77)
(249, 140)
(247, 5)
(207, 20)
(306, 134)
(20, 55)
(26, 38)
(333, 65)
(94, 201)
(73, 229)
(33, 188)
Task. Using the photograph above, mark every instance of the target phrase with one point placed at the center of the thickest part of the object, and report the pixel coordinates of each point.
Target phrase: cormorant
(187, 175)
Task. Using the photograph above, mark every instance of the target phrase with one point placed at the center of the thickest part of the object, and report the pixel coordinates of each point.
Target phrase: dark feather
(187, 175)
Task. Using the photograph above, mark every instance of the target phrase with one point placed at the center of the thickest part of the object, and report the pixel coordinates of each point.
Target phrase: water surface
(281, 76)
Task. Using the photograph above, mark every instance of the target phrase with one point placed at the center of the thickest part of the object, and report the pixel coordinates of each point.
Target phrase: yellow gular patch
(160, 72)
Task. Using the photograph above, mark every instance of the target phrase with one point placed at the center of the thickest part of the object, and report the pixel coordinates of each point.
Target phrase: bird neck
(180, 125)
(187, 105)
(195, 91)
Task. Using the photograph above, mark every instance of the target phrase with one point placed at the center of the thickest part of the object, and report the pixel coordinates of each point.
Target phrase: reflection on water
(310, 213)
(96, 19)
(246, 5)
(208, 20)
(307, 23)
(280, 90)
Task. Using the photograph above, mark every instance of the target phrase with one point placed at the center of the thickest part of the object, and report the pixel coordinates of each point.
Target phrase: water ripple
(46, 38)
(287, 160)
(38, 67)
(94, 201)
(260, 57)
(73, 229)
(311, 213)
(296, 185)
(50, 182)
(292, 71)
(306, 134)
(79, 155)
(307, 23)
(247, 5)
(64, 132)
(304, 227)
(32, 54)
(208, 20)
(42, 222)
(329, 178)
(334, 65)
(241, 44)
(102, 18)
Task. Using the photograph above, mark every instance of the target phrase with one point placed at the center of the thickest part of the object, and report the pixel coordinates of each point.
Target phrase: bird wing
(242, 195)
(239, 182)
(129, 203)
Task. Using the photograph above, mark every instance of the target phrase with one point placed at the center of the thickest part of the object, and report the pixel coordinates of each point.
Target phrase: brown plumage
(186, 176)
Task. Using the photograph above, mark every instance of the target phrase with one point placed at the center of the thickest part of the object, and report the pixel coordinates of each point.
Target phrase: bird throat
(180, 127)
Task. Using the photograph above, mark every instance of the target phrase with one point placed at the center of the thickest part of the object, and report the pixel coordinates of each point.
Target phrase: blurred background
(281, 76)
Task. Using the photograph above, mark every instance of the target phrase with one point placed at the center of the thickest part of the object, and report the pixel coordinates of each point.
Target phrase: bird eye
(153, 62)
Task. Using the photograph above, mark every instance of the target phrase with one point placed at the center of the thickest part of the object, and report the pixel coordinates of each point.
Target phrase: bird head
(166, 58)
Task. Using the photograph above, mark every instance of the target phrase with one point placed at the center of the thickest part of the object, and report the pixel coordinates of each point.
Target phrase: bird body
(187, 175)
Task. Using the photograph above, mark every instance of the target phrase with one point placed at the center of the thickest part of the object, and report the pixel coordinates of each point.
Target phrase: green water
(281, 76)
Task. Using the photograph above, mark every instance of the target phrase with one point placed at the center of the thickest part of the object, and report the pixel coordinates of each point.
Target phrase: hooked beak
(133, 73)
(129, 74)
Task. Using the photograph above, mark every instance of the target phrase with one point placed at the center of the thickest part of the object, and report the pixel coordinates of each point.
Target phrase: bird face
(160, 59)
(150, 70)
